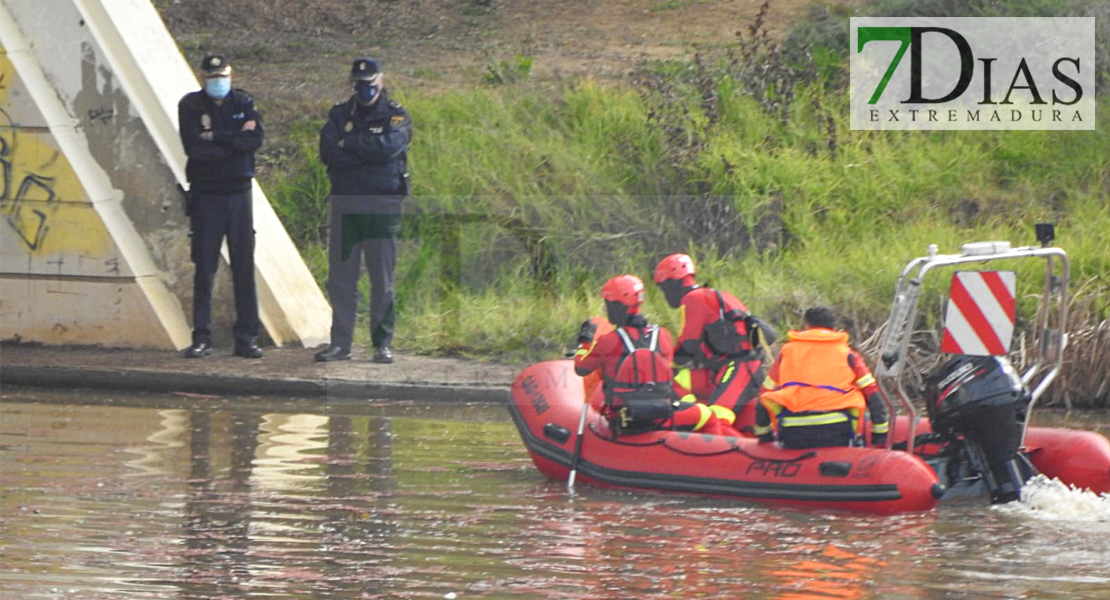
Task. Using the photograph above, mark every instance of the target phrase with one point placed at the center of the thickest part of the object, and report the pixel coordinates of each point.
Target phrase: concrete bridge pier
(94, 245)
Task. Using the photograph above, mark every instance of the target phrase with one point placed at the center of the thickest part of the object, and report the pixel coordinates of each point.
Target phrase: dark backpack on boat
(736, 334)
(640, 397)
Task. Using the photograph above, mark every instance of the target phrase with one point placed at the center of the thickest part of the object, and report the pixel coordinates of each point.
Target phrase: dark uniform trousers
(360, 230)
(213, 218)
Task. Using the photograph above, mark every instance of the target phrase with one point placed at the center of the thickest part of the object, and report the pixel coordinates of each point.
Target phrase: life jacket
(638, 397)
(818, 385)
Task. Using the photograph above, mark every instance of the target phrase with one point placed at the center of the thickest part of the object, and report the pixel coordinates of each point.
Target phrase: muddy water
(170, 497)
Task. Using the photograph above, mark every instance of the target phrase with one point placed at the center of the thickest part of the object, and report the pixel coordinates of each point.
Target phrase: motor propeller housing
(981, 402)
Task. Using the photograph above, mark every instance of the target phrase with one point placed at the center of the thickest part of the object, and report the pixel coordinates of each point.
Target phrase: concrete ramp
(94, 246)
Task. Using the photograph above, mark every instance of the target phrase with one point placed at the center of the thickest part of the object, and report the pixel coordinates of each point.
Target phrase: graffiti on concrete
(30, 222)
(44, 208)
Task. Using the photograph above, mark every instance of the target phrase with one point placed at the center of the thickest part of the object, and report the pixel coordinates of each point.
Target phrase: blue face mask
(366, 92)
(217, 88)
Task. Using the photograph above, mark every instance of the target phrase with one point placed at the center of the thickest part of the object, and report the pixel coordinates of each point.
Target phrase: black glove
(689, 355)
(759, 332)
(878, 439)
(586, 332)
(766, 438)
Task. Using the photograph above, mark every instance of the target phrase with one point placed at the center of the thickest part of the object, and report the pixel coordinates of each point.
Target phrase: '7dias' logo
(973, 73)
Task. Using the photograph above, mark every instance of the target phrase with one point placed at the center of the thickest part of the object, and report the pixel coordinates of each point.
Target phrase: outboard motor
(982, 400)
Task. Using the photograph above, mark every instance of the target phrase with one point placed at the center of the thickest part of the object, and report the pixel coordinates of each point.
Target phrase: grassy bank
(766, 186)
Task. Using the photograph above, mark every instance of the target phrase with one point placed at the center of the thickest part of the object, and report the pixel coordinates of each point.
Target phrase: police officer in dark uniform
(364, 145)
(221, 130)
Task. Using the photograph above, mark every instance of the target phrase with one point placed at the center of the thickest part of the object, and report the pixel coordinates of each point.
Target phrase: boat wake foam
(1051, 499)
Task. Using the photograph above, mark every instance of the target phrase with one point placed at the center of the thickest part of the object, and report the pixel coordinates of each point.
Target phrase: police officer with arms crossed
(221, 130)
(364, 145)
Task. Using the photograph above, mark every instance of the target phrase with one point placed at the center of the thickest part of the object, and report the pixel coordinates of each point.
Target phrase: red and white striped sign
(980, 318)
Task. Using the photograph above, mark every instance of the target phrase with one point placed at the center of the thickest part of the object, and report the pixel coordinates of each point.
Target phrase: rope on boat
(733, 448)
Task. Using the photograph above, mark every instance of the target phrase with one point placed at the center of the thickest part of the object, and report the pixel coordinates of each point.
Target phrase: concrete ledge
(281, 373)
(163, 382)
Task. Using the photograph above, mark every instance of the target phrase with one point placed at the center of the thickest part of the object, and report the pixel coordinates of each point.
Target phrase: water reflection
(286, 441)
(218, 510)
(357, 535)
(826, 571)
(302, 500)
(229, 499)
(166, 439)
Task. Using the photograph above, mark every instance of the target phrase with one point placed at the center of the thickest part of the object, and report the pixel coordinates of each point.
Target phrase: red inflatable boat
(547, 403)
(979, 406)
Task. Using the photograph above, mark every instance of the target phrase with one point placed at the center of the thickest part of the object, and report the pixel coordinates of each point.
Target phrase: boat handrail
(896, 339)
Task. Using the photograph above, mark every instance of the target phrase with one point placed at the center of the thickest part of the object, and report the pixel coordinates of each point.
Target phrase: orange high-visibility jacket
(815, 374)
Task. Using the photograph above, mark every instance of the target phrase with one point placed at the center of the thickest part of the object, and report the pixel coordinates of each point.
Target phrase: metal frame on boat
(1051, 336)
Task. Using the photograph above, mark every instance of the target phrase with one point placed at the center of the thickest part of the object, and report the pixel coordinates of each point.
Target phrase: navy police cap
(364, 69)
(215, 65)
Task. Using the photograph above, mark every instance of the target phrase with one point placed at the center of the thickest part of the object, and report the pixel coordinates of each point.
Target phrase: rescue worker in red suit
(727, 384)
(627, 369)
(818, 388)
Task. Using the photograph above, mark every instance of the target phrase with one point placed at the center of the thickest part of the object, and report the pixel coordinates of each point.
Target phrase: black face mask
(366, 91)
(617, 313)
(674, 292)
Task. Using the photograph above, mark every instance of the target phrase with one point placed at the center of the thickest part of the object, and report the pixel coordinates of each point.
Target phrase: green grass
(577, 166)
(784, 212)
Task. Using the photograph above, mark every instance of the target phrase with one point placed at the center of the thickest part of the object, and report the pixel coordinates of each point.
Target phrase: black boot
(248, 350)
(333, 353)
(383, 356)
(198, 350)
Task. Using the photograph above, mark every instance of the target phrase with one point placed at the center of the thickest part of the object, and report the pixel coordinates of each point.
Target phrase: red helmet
(675, 266)
(624, 289)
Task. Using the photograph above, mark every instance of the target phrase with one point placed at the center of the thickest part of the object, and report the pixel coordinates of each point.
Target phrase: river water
(122, 497)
